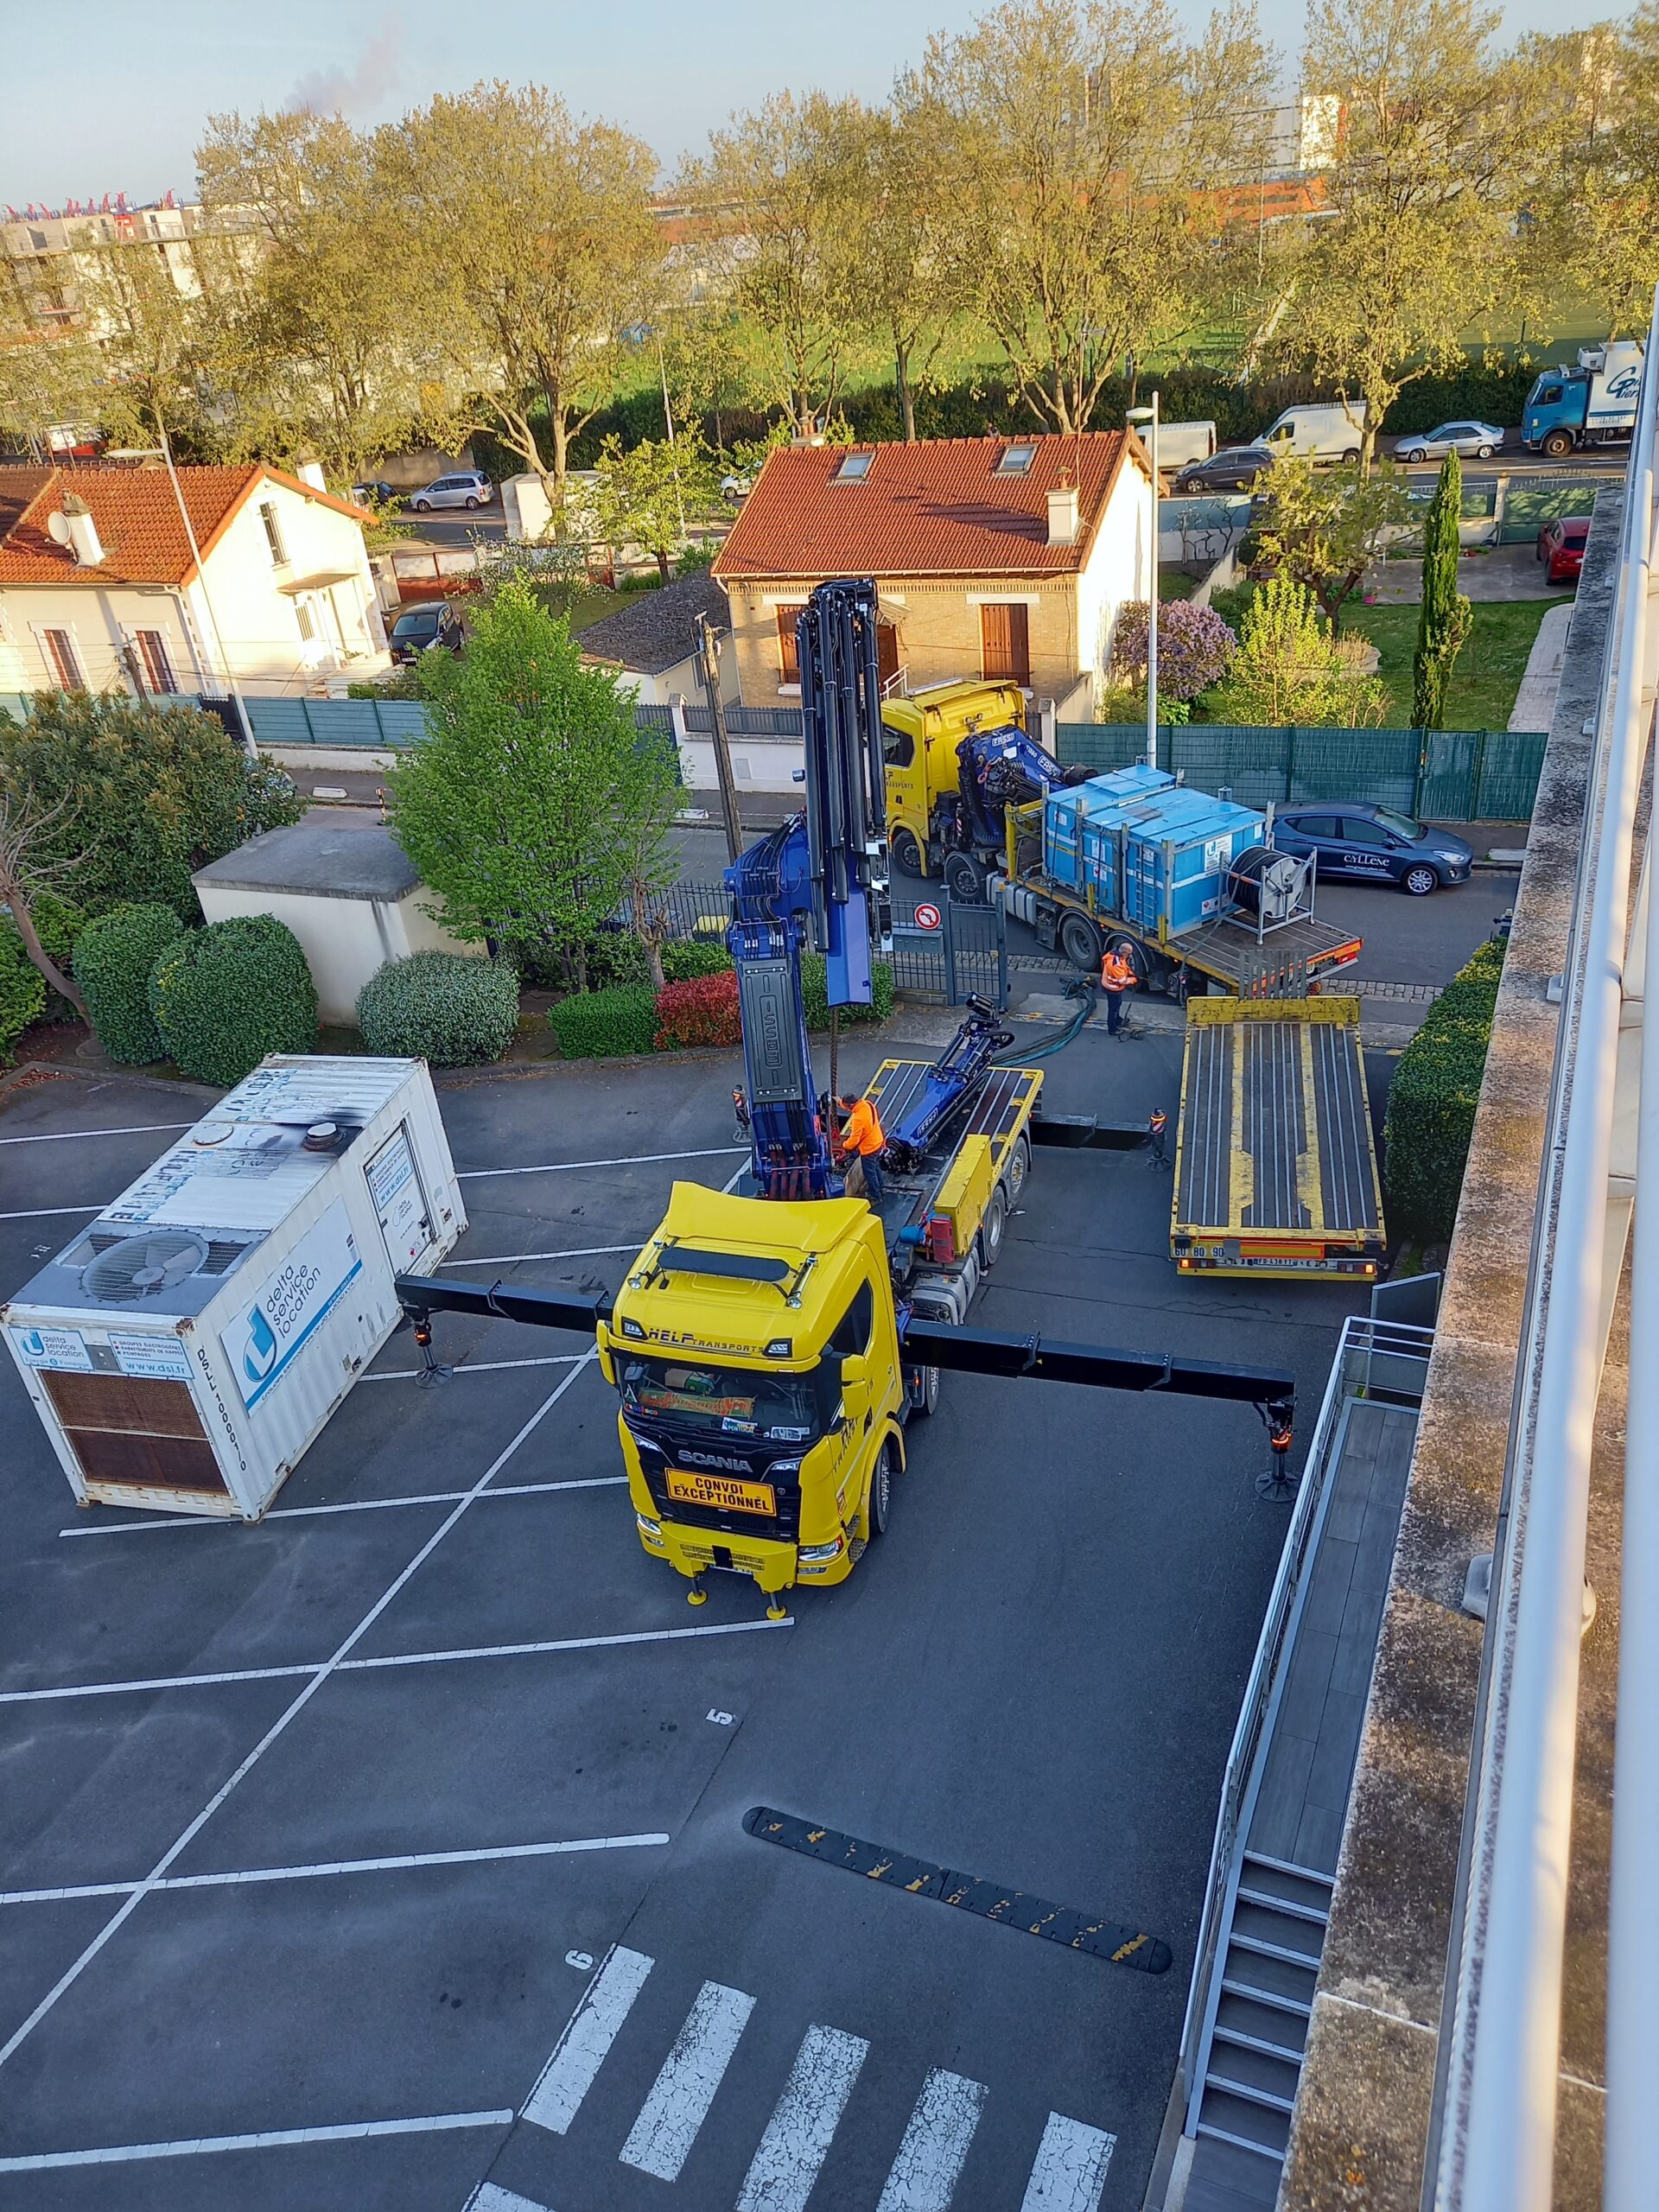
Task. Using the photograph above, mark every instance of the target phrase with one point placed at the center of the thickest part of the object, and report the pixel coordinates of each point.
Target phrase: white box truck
(185, 1349)
(1323, 432)
(1179, 444)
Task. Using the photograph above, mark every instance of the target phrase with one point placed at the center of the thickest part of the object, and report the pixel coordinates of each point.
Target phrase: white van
(1179, 444)
(1333, 432)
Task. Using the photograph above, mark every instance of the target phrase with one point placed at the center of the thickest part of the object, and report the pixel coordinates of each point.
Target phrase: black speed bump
(1057, 1924)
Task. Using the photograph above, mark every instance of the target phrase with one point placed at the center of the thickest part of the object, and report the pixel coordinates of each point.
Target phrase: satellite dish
(58, 529)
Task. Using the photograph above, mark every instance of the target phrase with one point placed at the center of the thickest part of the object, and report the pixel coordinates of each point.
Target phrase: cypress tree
(1443, 628)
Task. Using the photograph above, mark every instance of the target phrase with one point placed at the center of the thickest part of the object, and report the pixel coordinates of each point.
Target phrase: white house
(100, 591)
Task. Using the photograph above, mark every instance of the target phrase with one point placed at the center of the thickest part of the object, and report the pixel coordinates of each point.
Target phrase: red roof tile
(937, 508)
(137, 518)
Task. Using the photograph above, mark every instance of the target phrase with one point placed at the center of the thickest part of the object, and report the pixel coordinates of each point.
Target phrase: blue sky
(118, 106)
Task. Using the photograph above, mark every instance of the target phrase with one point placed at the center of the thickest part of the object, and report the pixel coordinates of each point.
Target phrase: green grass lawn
(1490, 667)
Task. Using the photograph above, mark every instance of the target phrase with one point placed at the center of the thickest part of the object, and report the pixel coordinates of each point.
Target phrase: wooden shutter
(60, 651)
(1004, 642)
(887, 653)
(789, 660)
(152, 651)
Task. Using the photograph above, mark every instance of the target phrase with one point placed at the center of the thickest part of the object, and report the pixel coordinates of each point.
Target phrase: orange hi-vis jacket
(863, 1132)
(1115, 973)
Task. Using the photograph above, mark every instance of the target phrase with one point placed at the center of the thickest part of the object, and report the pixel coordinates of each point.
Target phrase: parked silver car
(1469, 440)
(466, 487)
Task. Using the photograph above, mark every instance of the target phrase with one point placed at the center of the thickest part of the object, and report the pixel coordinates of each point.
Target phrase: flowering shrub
(1194, 646)
(702, 1011)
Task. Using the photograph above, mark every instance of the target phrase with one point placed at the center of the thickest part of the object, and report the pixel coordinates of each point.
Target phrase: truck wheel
(881, 1491)
(1351, 455)
(1019, 1167)
(964, 881)
(905, 853)
(1080, 942)
(995, 1226)
(1558, 444)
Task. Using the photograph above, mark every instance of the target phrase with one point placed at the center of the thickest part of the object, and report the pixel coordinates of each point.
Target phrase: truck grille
(782, 1527)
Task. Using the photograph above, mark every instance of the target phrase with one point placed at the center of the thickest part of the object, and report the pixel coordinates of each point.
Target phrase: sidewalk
(1535, 702)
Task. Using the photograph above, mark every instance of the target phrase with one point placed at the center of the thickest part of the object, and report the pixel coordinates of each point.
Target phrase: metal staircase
(1270, 1962)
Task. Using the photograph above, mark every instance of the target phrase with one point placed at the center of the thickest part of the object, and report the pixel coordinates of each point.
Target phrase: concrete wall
(256, 620)
(344, 940)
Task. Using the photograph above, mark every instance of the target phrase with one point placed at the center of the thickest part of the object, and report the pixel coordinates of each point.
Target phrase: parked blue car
(1373, 844)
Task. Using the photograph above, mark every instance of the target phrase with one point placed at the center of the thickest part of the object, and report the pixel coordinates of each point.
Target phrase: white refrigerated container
(185, 1349)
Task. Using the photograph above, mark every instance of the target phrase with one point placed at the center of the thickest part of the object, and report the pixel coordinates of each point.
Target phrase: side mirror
(855, 1372)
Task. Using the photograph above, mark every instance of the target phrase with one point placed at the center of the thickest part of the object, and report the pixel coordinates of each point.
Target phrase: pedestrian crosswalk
(1068, 2170)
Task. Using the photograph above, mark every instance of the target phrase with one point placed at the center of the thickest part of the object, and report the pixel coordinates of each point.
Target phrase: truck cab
(754, 1349)
(919, 738)
(1594, 403)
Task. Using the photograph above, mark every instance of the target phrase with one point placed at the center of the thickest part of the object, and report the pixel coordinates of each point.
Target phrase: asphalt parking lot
(333, 1844)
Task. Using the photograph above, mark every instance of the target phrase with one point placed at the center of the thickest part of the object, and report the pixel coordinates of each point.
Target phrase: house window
(157, 669)
(66, 662)
(273, 532)
(1015, 460)
(1005, 642)
(789, 660)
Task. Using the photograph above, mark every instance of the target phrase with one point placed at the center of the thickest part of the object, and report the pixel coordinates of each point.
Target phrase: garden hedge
(599, 1024)
(440, 1007)
(23, 991)
(58, 923)
(700, 1011)
(114, 958)
(1433, 1098)
(695, 957)
(226, 995)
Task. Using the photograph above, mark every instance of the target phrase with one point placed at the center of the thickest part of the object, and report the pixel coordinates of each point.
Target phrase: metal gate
(964, 954)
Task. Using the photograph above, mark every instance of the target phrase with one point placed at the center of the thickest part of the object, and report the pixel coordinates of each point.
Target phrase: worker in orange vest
(863, 1138)
(1116, 977)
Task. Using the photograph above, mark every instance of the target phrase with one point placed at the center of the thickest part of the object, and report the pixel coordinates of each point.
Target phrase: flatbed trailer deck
(1275, 1167)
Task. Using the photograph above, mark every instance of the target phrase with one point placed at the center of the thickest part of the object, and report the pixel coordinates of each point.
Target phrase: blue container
(1153, 854)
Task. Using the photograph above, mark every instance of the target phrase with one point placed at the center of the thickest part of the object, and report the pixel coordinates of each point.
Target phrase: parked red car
(1560, 548)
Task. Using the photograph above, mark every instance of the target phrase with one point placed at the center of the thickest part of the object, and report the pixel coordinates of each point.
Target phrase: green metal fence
(1452, 775)
(1531, 501)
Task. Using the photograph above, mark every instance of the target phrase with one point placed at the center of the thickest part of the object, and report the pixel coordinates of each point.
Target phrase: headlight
(809, 1553)
(784, 1470)
(647, 1526)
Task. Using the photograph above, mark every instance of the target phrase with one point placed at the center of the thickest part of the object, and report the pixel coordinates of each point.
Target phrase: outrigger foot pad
(776, 1610)
(697, 1595)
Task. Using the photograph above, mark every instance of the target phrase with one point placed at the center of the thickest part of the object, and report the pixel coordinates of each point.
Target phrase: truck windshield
(731, 1400)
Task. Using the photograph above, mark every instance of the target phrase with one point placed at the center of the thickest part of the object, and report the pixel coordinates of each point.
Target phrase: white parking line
(792, 2150)
(66, 1137)
(660, 2140)
(570, 1167)
(923, 2176)
(1070, 2169)
(281, 2137)
(41, 1213)
(488, 1855)
(119, 1919)
(346, 1505)
(592, 2029)
(489, 2196)
(323, 1667)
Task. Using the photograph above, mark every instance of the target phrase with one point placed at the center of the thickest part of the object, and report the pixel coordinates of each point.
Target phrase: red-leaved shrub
(701, 1012)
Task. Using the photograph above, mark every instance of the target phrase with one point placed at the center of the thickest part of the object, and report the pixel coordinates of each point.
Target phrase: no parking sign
(927, 918)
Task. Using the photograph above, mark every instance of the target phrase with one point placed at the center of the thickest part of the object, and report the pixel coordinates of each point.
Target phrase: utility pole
(708, 669)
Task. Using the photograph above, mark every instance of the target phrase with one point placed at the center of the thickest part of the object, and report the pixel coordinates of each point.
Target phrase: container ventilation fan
(143, 1267)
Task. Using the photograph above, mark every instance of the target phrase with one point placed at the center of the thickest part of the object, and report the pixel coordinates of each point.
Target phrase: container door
(400, 1201)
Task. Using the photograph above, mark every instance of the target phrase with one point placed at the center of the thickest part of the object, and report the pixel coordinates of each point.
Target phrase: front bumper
(770, 1564)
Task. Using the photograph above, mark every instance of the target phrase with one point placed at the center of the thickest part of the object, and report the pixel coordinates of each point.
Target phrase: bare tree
(914, 258)
(26, 870)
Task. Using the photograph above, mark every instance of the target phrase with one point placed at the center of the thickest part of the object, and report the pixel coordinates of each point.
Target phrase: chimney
(1063, 515)
(310, 472)
(84, 541)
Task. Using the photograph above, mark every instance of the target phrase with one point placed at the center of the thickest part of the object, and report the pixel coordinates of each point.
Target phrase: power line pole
(708, 669)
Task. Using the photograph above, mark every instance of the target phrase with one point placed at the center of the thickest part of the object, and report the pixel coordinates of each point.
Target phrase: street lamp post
(1149, 415)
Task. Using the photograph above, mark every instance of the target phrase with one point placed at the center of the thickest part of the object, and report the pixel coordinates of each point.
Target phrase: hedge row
(699, 1009)
(440, 1006)
(1433, 1098)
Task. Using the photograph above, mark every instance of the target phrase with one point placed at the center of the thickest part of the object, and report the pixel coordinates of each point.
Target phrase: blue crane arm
(946, 1088)
(821, 879)
(999, 768)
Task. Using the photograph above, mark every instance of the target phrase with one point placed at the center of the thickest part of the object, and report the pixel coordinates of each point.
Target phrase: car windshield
(732, 1401)
(414, 626)
(1398, 826)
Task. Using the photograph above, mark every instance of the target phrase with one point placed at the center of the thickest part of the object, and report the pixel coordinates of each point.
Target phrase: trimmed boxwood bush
(225, 996)
(23, 991)
(440, 1007)
(114, 958)
(700, 1011)
(1433, 1098)
(695, 957)
(816, 994)
(599, 1024)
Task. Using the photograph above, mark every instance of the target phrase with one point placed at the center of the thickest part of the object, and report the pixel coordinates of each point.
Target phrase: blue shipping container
(1153, 854)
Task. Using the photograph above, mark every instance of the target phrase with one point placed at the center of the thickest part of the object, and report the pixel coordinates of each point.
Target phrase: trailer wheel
(1558, 444)
(907, 853)
(1080, 942)
(963, 880)
(995, 1226)
(881, 1505)
(1014, 1180)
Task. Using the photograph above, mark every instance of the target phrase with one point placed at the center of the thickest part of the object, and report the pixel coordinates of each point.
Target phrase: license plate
(725, 1493)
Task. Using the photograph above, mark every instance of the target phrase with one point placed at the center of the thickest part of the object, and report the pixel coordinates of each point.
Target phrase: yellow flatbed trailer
(1275, 1167)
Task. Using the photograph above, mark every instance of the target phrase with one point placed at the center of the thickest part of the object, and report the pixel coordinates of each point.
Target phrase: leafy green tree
(1595, 201)
(1443, 626)
(526, 808)
(1326, 527)
(656, 494)
(913, 256)
(1289, 668)
(137, 795)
